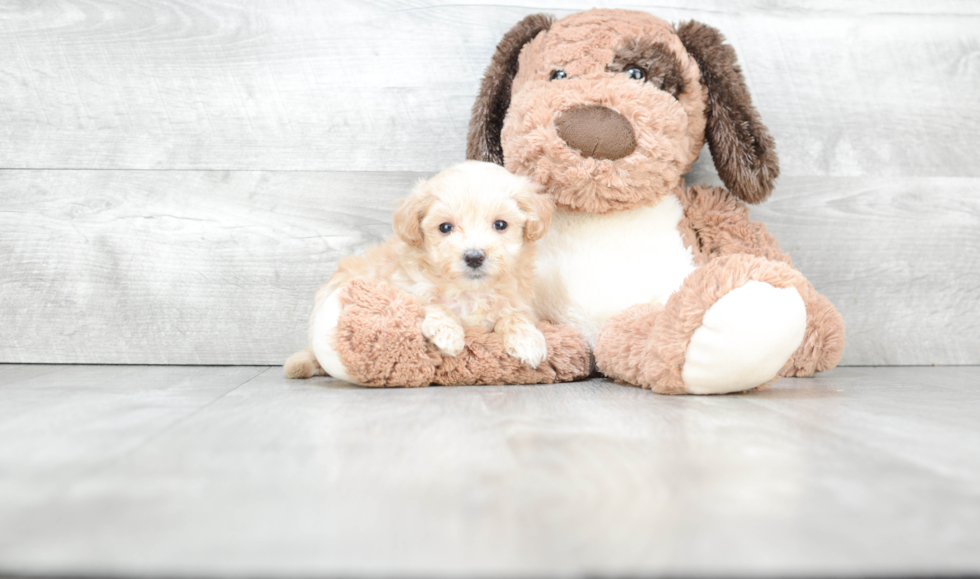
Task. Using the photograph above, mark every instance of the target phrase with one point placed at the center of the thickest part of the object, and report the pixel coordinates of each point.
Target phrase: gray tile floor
(146, 470)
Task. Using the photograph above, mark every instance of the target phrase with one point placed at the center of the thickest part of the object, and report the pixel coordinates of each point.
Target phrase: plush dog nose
(474, 257)
(597, 132)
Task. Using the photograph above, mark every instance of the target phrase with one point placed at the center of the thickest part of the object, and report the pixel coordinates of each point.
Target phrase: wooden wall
(176, 178)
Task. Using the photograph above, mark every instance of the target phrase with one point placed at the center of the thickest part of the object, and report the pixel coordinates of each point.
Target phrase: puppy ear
(408, 217)
(538, 206)
(490, 108)
(743, 151)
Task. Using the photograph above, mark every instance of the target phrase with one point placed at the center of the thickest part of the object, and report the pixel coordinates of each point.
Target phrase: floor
(216, 471)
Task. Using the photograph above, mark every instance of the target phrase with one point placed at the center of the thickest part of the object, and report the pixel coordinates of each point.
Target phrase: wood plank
(66, 421)
(170, 267)
(860, 472)
(884, 428)
(847, 89)
(164, 267)
(11, 374)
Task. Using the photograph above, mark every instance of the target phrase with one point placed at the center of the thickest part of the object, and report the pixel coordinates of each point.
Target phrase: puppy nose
(474, 257)
(597, 132)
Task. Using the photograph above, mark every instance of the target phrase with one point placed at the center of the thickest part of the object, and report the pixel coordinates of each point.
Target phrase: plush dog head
(607, 109)
(474, 223)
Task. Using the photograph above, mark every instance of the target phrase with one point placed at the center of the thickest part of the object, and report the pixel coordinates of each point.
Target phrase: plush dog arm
(719, 224)
(371, 334)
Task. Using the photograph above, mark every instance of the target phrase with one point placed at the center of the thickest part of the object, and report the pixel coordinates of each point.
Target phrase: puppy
(463, 247)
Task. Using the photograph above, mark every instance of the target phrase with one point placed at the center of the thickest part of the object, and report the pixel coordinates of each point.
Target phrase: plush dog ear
(743, 151)
(490, 108)
(538, 206)
(407, 220)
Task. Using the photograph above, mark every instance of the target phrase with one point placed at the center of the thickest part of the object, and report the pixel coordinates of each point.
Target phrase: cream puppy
(463, 247)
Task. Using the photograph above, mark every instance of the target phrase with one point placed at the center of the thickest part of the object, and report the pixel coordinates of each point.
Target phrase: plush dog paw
(527, 344)
(445, 333)
(745, 338)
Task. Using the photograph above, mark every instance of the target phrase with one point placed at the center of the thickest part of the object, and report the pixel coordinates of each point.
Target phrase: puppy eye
(558, 74)
(446, 227)
(636, 73)
(500, 225)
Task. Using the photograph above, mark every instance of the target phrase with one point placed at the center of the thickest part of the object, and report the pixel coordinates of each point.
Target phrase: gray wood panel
(899, 257)
(196, 169)
(846, 88)
(191, 472)
(220, 267)
(175, 267)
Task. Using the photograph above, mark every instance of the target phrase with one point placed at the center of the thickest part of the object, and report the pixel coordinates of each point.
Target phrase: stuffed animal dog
(463, 249)
(675, 287)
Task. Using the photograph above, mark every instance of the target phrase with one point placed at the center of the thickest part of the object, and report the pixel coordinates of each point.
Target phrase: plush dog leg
(628, 349)
(724, 228)
(732, 326)
(823, 343)
(370, 334)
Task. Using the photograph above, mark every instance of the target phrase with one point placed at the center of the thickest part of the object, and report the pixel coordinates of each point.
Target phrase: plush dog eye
(446, 227)
(636, 73)
(558, 74)
(500, 225)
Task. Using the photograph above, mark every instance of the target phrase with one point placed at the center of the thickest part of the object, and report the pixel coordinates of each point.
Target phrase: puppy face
(607, 111)
(472, 224)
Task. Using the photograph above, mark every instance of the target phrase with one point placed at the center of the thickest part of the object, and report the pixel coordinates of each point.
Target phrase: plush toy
(674, 287)
(375, 336)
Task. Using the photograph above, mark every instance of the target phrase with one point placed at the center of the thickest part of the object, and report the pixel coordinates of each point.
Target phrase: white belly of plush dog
(590, 267)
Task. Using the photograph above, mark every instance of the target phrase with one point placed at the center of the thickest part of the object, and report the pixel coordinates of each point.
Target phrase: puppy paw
(527, 344)
(445, 334)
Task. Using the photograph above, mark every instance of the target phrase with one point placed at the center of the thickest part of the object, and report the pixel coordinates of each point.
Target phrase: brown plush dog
(675, 287)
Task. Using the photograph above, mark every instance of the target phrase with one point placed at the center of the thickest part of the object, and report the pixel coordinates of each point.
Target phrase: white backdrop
(176, 178)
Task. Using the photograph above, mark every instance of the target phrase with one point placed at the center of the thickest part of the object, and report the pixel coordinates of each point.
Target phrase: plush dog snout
(474, 257)
(597, 132)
